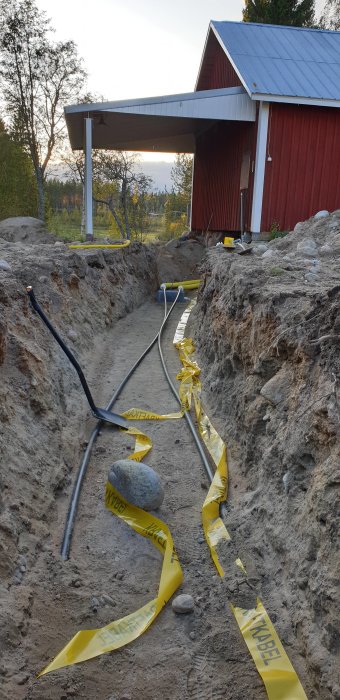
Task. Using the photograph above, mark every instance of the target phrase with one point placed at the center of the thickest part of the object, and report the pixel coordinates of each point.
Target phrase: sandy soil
(196, 656)
(268, 332)
(272, 393)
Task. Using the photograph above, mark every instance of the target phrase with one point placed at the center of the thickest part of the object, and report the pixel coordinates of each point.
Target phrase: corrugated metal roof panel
(286, 61)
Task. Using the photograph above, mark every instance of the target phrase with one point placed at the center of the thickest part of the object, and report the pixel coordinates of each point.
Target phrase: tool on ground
(241, 249)
(72, 512)
(100, 413)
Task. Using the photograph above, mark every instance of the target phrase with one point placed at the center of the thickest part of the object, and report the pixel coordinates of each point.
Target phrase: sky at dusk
(139, 48)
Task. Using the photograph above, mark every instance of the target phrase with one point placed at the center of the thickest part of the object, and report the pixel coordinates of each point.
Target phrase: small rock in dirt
(276, 389)
(119, 576)
(5, 266)
(307, 247)
(311, 277)
(192, 636)
(125, 697)
(200, 540)
(267, 254)
(76, 583)
(72, 335)
(287, 481)
(95, 604)
(321, 214)
(183, 604)
(260, 249)
(326, 249)
(138, 483)
(107, 600)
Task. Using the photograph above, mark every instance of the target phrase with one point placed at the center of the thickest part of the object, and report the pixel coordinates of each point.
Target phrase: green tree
(18, 192)
(181, 175)
(38, 77)
(294, 13)
(120, 186)
(178, 201)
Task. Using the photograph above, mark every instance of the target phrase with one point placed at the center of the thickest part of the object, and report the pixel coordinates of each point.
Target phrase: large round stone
(138, 483)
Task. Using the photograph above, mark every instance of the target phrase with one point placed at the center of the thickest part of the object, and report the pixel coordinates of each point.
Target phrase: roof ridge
(275, 26)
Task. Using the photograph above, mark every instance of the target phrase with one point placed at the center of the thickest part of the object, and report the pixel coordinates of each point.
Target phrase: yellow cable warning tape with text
(278, 675)
(87, 644)
(272, 662)
(280, 679)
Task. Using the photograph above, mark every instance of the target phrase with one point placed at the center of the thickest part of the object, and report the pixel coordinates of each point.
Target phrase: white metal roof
(285, 64)
(168, 123)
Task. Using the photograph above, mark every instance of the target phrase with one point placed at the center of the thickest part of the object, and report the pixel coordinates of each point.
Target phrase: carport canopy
(168, 124)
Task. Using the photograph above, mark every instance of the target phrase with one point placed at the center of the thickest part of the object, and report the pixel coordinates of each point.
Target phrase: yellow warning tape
(186, 284)
(279, 677)
(99, 245)
(141, 414)
(214, 528)
(271, 660)
(87, 644)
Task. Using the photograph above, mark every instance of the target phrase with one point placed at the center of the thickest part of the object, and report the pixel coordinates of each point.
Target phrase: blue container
(170, 296)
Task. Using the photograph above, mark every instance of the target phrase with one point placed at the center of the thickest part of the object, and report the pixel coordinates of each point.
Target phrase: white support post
(88, 179)
(260, 166)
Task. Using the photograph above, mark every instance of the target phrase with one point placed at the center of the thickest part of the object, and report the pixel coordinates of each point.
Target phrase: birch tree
(38, 77)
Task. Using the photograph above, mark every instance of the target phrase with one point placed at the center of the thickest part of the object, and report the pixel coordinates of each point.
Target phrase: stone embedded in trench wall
(277, 388)
(137, 483)
(321, 214)
(307, 247)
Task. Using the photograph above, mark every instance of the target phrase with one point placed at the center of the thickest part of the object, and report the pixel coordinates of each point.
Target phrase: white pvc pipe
(88, 180)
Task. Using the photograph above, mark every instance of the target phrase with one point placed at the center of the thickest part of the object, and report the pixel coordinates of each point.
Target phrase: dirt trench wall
(42, 408)
(274, 386)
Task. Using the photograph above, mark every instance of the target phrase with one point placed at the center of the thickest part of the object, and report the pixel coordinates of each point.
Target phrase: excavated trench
(272, 395)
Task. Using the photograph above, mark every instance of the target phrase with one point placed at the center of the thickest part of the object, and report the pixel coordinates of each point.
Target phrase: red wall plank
(304, 174)
(217, 169)
(216, 71)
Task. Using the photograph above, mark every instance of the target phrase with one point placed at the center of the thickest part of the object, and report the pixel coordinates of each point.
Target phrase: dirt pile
(179, 260)
(268, 331)
(25, 229)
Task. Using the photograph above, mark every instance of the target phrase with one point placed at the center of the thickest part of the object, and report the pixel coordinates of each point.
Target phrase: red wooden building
(263, 124)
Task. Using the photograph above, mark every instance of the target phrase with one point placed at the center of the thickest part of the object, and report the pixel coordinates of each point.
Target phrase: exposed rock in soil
(269, 345)
(138, 483)
(183, 604)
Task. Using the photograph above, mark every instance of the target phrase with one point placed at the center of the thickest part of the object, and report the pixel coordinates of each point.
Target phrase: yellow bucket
(229, 242)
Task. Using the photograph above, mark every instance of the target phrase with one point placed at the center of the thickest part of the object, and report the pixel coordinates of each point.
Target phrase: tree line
(38, 76)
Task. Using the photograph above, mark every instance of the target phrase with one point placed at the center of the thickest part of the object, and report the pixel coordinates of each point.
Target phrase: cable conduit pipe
(72, 512)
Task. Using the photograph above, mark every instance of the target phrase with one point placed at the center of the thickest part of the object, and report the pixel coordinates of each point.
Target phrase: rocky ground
(268, 331)
(267, 326)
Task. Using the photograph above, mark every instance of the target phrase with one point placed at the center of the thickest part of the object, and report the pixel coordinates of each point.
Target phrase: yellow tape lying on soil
(214, 528)
(90, 643)
(271, 660)
(99, 245)
(272, 663)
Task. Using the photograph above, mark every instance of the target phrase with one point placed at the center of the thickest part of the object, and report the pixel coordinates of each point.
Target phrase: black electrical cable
(99, 413)
(187, 416)
(72, 512)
